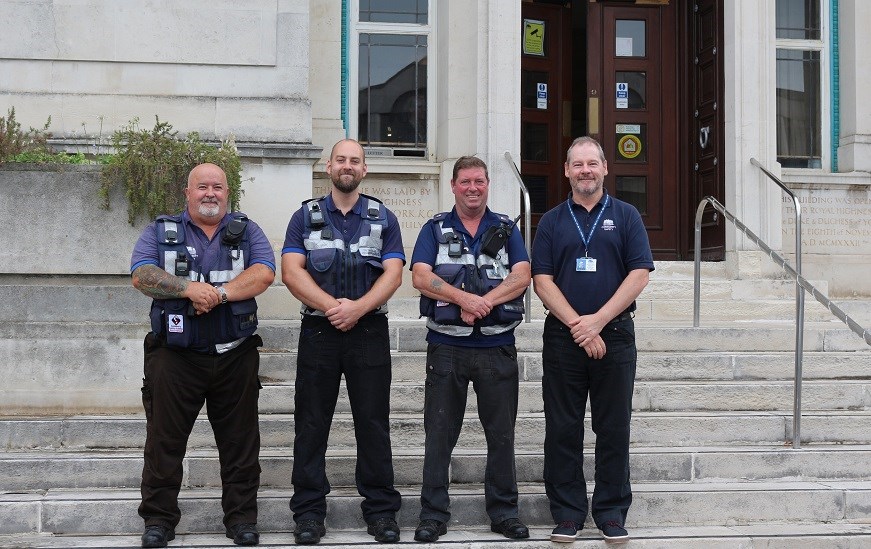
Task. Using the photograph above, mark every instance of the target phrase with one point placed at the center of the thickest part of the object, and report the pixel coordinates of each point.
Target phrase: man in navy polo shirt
(202, 269)
(471, 269)
(590, 260)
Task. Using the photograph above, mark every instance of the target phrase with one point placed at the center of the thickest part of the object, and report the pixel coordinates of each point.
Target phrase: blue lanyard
(584, 238)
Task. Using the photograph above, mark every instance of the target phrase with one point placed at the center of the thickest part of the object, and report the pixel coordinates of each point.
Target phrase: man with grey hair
(203, 269)
(590, 261)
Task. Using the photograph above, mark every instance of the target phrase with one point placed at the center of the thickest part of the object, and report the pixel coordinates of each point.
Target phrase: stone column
(750, 82)
(854, 146)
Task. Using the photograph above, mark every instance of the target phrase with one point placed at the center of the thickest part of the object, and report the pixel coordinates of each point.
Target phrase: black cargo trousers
(177, 383)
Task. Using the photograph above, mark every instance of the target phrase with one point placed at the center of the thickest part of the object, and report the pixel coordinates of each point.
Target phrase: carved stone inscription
(413, 200)
(833, 221)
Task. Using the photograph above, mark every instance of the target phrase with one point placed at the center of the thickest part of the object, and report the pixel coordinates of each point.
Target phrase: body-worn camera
(316, 215)
(182, 265)
(455, 246)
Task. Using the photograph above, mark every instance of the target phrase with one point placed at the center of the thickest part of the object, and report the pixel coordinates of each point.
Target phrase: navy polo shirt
(206, 251)
(618, 243)
(347, 226)
(426, 250)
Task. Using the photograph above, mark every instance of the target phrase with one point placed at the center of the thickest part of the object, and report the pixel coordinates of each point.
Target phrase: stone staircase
(712, 424)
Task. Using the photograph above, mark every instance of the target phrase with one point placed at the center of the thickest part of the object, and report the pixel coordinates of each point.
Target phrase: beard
(585, 190)
(209, 209)
(345, 185)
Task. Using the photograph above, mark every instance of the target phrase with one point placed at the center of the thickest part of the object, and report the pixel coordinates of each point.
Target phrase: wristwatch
(223, 293)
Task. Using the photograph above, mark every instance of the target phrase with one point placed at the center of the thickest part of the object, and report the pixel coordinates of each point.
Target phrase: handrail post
(697, 262)
(799, 307)
(799, 333)
(527, 229)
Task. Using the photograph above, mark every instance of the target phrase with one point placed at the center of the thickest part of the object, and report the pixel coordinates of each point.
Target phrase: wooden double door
(646, 81)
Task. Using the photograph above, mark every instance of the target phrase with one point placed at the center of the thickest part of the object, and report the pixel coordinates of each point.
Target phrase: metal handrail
(801, 283)
(799, 325)
(527, 228)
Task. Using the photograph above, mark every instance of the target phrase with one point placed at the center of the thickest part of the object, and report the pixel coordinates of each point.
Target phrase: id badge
(585, 265)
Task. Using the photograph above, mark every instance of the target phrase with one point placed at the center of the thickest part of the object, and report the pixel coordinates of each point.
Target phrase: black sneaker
(565, 532)
(614, 531)
(157, 536)
(511, 528)
(384, 529)
(429, 530)
(243, 534)
(308, 532)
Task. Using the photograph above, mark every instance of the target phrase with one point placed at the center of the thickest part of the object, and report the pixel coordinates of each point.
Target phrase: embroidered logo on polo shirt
(608, 225)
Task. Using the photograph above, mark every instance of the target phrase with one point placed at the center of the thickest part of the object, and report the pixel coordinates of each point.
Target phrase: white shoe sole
(563, 538)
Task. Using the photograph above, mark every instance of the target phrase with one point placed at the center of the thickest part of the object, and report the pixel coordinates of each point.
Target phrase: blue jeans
(362, 354)
(493, 372)
(569, 376)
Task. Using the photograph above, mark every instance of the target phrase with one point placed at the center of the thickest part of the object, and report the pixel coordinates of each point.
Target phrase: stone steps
(711, 460)
(776, 535)
(110, 469)
(674, 396)
(662, 429)
(101, 366)
(655, 504)
(280, 366)
(667, 297)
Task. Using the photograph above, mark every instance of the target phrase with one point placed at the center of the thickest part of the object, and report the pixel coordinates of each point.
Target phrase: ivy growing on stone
(153, 165)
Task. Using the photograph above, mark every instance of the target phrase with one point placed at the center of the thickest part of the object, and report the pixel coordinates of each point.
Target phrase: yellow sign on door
(533, 37)
(629, 146)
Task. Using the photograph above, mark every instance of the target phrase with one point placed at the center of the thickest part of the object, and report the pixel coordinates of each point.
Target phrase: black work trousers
(177, 383)
(569, 377)
(493, 373)
(362, 354)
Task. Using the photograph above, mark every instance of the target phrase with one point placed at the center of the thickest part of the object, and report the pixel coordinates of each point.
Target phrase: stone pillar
(478, 95)
(854, 146)
(500, 115)
(750, 82)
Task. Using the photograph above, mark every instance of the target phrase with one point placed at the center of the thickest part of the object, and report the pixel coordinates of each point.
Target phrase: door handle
(704, 136)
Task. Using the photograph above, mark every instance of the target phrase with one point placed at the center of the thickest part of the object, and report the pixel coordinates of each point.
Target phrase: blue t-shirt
(426, 250)
(618, 243)
(347, 226)
(145, 252)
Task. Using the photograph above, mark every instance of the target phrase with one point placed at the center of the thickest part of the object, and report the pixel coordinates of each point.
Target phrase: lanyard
(584, 238)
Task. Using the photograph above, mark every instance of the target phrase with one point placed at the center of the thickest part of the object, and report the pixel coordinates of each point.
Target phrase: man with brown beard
(343, 258)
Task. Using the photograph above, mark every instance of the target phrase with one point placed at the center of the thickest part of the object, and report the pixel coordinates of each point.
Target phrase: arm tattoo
(510, 280)
(156, 283)
(436, 283)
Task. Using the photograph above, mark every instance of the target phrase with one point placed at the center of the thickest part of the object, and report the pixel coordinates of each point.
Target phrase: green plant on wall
(31, 146)
(153, 165)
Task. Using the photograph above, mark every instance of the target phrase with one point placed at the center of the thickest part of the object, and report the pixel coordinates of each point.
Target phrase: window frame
(823, 47)
(355, 29)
